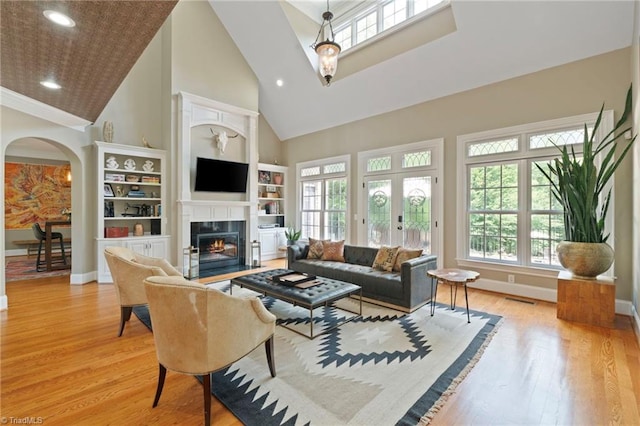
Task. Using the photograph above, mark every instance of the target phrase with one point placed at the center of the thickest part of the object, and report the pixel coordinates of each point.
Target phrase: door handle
(400, 228)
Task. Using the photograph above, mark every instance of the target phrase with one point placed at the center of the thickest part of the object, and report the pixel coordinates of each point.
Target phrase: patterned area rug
(22, 268)
(387, 367)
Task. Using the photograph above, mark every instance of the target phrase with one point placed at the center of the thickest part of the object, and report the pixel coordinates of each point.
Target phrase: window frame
(524, 157)
(350, 19)
(324, 177)
(436, 167)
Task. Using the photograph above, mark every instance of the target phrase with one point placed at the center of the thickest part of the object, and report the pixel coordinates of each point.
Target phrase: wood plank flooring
(61, 361)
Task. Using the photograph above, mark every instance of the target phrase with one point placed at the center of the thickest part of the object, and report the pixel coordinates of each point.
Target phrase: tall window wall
(323, 200)
(508, 214)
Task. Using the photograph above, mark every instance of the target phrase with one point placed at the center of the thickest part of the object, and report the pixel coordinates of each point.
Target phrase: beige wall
(269, 146)
(575, 88)
(635, 73)
(135, 108)
(204, 59)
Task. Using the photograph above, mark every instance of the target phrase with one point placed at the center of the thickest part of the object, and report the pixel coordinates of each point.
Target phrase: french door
(399, 210)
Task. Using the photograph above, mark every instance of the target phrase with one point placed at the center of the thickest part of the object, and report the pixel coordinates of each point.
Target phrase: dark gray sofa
(406, 290)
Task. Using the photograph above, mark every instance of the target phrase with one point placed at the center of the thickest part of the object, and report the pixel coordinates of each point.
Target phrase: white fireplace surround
(196, 111)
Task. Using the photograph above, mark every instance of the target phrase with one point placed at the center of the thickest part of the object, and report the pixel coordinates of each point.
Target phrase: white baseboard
(623, 307)
(4, 302)
(79, 279)
(15, 252)
(635, 321)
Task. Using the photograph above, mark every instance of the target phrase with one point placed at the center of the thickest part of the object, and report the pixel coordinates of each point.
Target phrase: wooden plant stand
(587, 301)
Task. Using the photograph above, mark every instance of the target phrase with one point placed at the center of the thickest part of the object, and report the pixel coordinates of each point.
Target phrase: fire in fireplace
(218, 249)
(221, 244)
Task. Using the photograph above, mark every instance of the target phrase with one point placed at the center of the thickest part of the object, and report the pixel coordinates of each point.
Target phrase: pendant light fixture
(327, 50)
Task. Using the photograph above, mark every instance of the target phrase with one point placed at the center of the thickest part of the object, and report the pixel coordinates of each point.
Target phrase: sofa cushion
(385, 258)
(333, 250)
(405, 254)
(373, 282)
(315, 249)
(360, 255)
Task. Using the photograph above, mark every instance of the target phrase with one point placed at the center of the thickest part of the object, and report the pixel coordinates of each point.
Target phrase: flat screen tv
(220, 176)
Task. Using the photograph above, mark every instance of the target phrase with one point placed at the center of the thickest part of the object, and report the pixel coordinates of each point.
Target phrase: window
(323, 202)
(508, 213)
(365, 22)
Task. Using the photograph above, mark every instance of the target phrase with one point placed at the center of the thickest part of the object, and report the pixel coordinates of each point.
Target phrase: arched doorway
(42, 196)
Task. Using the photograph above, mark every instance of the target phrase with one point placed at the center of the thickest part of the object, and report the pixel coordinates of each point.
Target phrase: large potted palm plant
(580, 183)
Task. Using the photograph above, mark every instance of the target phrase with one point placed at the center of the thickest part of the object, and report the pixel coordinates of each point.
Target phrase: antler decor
(221, 139)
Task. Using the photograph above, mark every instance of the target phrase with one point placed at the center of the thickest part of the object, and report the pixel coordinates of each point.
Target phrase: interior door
(399, 210)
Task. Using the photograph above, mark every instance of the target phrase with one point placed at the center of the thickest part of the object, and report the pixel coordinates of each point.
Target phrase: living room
(176, 60)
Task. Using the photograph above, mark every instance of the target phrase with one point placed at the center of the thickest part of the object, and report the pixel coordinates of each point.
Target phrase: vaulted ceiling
(492, 41)
(89, 60)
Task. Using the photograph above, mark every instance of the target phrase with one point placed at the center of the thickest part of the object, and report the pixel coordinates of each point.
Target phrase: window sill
(509, 269)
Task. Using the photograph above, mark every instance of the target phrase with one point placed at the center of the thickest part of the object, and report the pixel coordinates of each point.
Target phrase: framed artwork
(264, 177)
(108, 190)
(23, 205)
(271, 188)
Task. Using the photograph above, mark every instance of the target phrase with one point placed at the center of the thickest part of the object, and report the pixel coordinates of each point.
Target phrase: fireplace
(222, 246)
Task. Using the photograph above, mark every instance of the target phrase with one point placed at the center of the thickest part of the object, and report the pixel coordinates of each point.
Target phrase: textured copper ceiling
(89, 61)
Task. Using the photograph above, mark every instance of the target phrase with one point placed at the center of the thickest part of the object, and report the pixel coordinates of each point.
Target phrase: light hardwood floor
(62, 361)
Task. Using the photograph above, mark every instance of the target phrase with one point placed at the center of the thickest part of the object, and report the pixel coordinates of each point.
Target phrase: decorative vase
(585, 260)
(107, 131)
(277, 179)
(138, 230)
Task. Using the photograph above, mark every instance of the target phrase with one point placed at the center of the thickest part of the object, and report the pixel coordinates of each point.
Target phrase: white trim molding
(522, 156)
(30, 106)
(194, 111)
(623, 307)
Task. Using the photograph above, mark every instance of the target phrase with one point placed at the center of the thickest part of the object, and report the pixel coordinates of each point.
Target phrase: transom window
(508, 213)
(373, 18)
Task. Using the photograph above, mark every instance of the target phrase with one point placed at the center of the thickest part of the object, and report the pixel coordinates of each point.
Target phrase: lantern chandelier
(327, 50)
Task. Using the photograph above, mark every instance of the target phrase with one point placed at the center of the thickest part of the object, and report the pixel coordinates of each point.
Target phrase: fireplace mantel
(196, 111)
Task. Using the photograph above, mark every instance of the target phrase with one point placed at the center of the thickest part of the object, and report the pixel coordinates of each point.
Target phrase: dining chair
(41, 236)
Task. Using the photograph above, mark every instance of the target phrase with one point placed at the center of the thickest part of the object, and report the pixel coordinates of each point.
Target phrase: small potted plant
(579, 184)
(292, 235)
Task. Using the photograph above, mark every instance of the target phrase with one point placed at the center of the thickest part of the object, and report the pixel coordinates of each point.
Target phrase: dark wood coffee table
(325, 293)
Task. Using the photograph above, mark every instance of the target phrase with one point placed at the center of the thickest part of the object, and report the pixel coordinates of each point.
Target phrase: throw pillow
(315, 249)
(333, 250)
(404, 255)
(385, 258)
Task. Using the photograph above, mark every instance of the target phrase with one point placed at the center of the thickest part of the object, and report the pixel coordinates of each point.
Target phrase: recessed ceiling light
(59, 18)
(50, 84)
(279, 82)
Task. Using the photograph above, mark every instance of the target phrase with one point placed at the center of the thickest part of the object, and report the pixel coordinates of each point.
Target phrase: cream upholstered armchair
(199, 330)
(128, 270)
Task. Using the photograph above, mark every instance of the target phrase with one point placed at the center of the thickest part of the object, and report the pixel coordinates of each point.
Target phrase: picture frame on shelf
(271, 188)
(264, 176)
(108, 190)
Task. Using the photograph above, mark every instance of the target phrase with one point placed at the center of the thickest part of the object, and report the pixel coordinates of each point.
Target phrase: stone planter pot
(585, 260)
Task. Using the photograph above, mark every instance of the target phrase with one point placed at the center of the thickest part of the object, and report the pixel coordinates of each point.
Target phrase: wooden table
(47, 244)
(455, 278)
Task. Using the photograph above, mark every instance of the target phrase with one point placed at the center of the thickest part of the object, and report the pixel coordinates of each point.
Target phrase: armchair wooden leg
(206, 384)
(268, 345)
(125, 315)
(162, 373)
